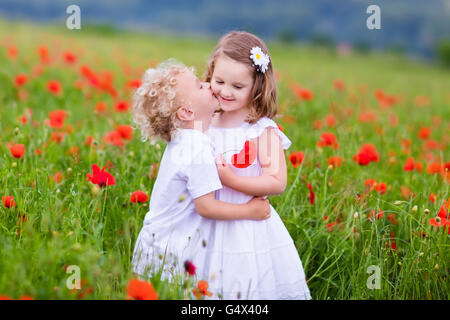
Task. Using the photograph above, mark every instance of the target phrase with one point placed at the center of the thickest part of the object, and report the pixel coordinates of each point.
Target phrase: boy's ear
(185, 114)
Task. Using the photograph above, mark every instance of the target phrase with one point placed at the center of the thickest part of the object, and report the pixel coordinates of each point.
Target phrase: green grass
(71, 224)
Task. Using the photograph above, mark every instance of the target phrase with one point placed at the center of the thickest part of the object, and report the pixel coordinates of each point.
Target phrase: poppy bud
(189, 267)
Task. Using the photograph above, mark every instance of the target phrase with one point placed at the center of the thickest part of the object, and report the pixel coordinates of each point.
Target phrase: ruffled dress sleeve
(263, 123)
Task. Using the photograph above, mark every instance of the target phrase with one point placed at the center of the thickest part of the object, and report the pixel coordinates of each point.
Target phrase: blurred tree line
(407, 25)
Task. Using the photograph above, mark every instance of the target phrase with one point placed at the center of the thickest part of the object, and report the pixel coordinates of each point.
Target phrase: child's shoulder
(188, 143)
(262, 124)
(265, 123)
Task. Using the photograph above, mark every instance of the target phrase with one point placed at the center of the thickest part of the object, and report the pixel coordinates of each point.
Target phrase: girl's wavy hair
(237, 46)
(155, 102)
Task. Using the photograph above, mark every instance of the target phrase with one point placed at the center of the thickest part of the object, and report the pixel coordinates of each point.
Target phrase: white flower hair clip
(260, 59)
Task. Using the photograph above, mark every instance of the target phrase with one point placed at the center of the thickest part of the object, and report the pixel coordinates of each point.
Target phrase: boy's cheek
(214, 89)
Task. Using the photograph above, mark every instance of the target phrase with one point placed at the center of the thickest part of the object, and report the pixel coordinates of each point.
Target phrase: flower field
(368, 169)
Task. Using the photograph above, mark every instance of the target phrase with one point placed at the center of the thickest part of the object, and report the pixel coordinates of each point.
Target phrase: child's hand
(259, 208)
(226, 173)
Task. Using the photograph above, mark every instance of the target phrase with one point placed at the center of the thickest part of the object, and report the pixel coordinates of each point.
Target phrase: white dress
(251, 259)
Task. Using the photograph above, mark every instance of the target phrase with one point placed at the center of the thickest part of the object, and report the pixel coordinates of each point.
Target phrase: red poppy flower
(311, 196)
(73, 151)
(154, 172)
(121, 106)
(424, 133)
(385, 100)
(280, 127)
(125, 131)
(435, 167)
(69, 57)
(8, 201)
(393, 120)
(339, 85)
(89, 140)
(381, 187)
(90, 76)
(302, 93)
(17, 150)
(84, 290)
(406, 193)
(369, 116)
(134, 84)
(12, 52)
(432, 197)
(418, 166)
(21, 217)
(100, 177)
(447, 166)
(409, 165)
(101, 107)
(202, 289)
(378, 215)
(330, 120)
(430, 145)
(20, 80)
(54, 87)
(328, 139)
(57, 118)
(43, 53)
(22, 119)
(437, 222)
(306, 94)
(367, 153)
(334, 161)
(440, 221)
(391, 217)
(392, 243)
(78, 84)
(141, 290)
(57, 137)
(362, 158)
(57, 177)
(330, 226)
(296, 158)
(317, 124)
(189, 267)
(139, 196)
(114, 138)
(444, 210)
(370, 184)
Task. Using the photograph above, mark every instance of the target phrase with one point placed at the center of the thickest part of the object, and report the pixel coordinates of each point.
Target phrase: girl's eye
(219, 82)
(238, 87)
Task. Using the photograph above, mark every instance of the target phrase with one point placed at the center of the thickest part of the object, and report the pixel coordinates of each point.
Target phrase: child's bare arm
(209, 207)
(273, 162)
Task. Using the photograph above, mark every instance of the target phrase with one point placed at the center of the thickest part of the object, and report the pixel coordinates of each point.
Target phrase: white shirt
(172, 224)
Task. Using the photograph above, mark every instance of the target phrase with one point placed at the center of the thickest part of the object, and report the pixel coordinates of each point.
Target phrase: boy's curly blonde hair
(155, 102)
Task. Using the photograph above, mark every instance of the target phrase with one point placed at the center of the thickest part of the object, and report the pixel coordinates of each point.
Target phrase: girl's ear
(185, 114)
